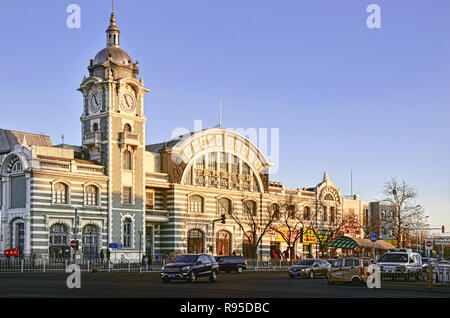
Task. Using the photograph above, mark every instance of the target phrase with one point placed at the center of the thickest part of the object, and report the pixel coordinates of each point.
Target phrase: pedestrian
(34, 259)
(101, 256)
(143, 259)
(234, 253)
(108, 254)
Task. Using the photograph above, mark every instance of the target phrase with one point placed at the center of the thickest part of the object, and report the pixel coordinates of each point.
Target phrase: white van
(401, 263)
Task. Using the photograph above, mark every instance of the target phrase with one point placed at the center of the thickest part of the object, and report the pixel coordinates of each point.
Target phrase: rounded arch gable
(11, 160)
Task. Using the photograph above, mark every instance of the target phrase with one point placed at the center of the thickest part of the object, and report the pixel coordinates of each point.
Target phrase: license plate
(171, 276)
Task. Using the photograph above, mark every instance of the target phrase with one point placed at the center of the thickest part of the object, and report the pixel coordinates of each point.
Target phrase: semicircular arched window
(195, 204)
(250, 208)
(60, 193)
(15, 165)
(225, 206)
(91, 195)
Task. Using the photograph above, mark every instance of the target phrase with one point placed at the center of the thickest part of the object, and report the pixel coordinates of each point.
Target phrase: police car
(401, 263)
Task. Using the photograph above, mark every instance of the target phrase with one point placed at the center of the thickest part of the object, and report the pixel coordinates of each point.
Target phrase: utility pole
(75, 233)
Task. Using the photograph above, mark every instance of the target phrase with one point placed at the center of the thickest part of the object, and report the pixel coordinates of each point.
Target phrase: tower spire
(113, 32)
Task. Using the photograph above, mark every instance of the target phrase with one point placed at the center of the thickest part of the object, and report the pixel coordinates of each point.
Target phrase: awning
(352, 243)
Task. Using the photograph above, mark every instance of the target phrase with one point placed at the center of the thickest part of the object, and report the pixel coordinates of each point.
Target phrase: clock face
(127, 102)
(95, 102)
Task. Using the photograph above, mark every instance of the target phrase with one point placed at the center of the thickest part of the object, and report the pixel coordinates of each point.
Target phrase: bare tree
(326, 232)
(254, 224)
(288, 222)
(407, 214)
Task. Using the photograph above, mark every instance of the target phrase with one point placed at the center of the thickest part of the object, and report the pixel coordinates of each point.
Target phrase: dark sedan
(232, 263)
(309, 268)
(191, 267)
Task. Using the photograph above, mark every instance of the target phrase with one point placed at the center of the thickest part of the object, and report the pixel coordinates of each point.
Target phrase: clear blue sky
(343, 96)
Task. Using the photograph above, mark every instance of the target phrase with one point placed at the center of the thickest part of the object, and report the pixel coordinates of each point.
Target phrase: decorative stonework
(265, 181)
(178, 169)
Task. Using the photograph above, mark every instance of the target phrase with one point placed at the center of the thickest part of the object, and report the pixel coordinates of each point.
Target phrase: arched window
(223, 243)
(58, 242)
(90, 242)
(291, 211)
(127, 160)
(225, 206)
(307, 213)
(91, 195)
(325, 214)
(195, 241)
(332, 215)
(195, 204)
(127, 128)
(250, 208)
(15, 165)
(95, 127)
(127, 232)
(274, 209)
(60, 193)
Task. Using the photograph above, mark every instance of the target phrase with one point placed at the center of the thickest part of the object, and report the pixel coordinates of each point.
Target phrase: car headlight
(185, 268)
(163, 268)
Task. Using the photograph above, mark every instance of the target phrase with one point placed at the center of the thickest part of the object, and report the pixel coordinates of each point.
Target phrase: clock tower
(113, 134)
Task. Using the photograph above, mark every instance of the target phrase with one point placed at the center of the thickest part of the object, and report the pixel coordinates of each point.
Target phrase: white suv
(401, 263)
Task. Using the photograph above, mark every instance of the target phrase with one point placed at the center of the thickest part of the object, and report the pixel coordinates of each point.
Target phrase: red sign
(73, 244)
(429, 243)
(12, 252)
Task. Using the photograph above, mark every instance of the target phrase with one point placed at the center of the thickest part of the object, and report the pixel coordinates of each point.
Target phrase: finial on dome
(113, 32)
(325, 177)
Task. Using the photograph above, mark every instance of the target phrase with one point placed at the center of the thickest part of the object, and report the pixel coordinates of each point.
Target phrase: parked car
(349, 270)
(331, 261)
(401, 263)
(191, 267)
(311, 268)
(231, 263)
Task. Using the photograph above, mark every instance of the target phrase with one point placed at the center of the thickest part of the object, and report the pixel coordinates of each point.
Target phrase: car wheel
(213, 276)
(192, 277)
(312, 275)
(239, 270)
(291, 276)
(166, 280)
(329, 281)
(356, 281)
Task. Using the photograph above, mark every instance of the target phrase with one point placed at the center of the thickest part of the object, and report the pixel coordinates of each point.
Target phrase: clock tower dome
(113, 131)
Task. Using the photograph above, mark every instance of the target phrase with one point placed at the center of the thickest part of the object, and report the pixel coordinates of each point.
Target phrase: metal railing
(150, 264)
(440, 275)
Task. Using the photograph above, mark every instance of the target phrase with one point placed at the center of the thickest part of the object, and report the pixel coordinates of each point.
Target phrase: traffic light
(443, 229)
(222, 218)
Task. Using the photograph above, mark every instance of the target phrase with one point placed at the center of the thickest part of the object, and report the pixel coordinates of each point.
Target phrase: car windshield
(186, 259)
(396, 258)
(305, 262)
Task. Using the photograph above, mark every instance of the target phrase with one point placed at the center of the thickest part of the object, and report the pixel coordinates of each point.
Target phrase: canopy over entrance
(353, 243)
